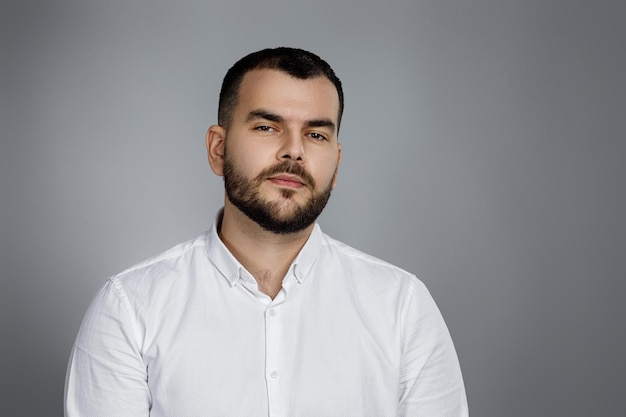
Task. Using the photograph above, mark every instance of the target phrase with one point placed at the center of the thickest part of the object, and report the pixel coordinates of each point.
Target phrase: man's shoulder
(167, 261)
(356, 259)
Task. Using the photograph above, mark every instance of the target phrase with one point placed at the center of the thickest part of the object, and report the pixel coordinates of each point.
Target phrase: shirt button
(272, 313)
(274, 375)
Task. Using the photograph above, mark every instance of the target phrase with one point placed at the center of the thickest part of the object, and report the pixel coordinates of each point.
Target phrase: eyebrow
(262, 114)
(321, 123)
(266, 115)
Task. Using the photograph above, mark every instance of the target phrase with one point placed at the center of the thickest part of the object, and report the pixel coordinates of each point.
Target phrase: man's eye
(264, 128)
(317, 136)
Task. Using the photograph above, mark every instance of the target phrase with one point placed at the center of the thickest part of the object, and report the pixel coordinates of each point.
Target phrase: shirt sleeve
(431, 383)
(106, 376)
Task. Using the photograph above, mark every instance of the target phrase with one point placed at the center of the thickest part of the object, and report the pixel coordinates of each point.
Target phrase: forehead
(287, 96)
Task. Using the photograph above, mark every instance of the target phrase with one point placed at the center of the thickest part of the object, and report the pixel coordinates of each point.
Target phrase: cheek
(248, 160)
(328, 171)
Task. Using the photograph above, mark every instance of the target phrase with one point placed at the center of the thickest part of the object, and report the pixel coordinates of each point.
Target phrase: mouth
(286, 180)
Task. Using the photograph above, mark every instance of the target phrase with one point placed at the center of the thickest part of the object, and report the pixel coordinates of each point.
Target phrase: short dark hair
(296, 62)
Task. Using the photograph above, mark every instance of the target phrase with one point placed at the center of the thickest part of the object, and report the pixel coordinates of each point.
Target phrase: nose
(292, 147)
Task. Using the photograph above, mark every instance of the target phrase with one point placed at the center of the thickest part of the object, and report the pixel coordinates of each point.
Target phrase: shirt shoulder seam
(121, 293)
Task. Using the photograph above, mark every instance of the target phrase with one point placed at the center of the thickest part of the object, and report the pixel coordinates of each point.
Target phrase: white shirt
(188, 334)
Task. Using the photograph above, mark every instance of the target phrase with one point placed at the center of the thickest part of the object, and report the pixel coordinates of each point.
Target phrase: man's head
(298, 63)
(276, 143)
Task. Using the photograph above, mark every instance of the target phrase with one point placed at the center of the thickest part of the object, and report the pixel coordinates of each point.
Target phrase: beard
(284, 216)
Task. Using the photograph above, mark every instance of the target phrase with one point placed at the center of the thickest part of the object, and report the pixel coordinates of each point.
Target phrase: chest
(301, 357)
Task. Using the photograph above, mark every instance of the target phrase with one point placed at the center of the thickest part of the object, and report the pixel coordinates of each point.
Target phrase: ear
(338, 163)
(215, 137)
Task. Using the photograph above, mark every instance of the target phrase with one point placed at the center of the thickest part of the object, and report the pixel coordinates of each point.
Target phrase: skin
(277, 118)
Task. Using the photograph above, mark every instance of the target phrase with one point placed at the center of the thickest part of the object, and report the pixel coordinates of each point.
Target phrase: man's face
(281, 152)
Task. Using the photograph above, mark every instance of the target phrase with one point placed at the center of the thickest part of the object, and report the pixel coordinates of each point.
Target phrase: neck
(266, 255)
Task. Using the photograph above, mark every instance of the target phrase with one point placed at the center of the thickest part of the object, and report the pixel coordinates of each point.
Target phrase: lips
(286, 180)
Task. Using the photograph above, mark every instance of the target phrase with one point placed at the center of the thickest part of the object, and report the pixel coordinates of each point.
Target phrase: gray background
(484, 151)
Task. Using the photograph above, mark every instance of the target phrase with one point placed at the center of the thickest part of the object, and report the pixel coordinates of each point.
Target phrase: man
(264, 315)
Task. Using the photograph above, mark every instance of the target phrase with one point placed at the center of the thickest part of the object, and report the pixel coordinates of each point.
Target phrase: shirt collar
(232, 269)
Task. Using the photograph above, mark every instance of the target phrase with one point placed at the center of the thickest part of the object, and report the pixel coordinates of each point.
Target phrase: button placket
(273, 335)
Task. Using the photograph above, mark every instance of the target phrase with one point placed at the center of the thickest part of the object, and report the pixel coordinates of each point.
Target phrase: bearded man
(265, 315)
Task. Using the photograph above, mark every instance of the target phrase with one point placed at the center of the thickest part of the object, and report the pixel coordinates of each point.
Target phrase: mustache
(288, 167)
